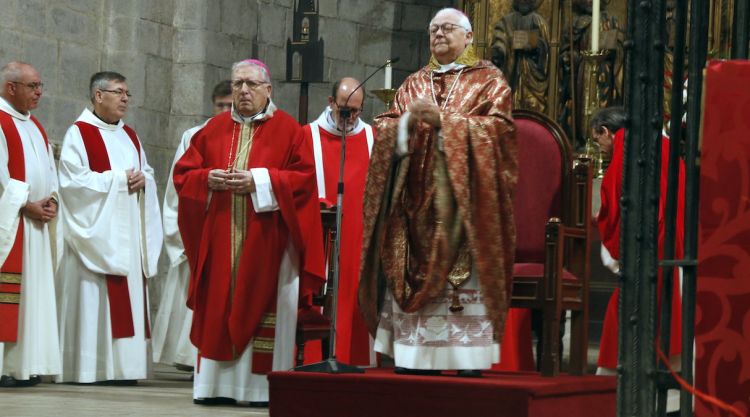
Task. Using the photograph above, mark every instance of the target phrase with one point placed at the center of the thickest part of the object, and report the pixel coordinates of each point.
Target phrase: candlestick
(386, 95)
(388, 76)
(591, 62)
(595, 17)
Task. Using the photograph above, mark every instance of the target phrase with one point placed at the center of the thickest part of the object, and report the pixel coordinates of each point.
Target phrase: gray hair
(101, 80)
(613, 118)
(12, 70)
(463, 20)
(252, 63)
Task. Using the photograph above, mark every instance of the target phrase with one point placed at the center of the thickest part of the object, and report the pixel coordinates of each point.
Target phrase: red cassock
(608, 222)
(228, 315)
(352, 338)
(516, 352)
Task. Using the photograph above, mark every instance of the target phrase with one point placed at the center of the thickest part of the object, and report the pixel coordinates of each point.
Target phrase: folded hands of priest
(43, 210)
(423, 110)
(217, 180)
(136, 180)
(240, 181)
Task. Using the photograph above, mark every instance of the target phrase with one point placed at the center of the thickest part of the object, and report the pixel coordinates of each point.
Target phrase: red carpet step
(381, 393)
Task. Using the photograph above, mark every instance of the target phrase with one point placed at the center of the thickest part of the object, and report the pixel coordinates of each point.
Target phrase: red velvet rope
(703, 396)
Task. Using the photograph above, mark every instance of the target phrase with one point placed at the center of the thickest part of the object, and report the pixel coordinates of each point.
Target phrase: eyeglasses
(253, 85)
(445, 27)
(31, 86)
(223, 106)
(354, 111)
(118, 92)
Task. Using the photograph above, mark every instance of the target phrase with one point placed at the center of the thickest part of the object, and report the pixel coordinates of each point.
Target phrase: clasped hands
(43, 210)
(136, 180)
(237, 181)
(425, 111)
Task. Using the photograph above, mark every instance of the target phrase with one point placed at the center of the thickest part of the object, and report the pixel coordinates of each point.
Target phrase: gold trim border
(268, 320)
(10, 278)
(10, 298)
(263, 344)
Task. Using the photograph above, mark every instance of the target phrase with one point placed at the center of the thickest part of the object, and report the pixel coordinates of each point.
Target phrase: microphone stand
(331, 365)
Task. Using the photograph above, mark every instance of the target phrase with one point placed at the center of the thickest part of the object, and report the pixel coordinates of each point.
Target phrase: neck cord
(450, 91)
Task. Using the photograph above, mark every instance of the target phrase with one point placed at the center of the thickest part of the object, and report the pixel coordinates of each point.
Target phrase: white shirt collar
(447, 67)
(89, 117)
(7, 108)
(325, 121)
(264, 114)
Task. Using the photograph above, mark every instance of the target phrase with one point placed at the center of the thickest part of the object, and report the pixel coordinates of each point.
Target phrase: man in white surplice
(28, 221)
(114, 235)
(171, 338)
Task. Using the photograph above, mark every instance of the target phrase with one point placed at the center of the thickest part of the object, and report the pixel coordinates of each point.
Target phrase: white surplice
(107, 231)
(171, 335)
(436, 338)
(36, 351)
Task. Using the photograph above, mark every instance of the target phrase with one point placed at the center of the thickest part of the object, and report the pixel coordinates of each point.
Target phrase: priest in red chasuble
(250, 223)
(438, 211)
(324, 134)
(607, 129)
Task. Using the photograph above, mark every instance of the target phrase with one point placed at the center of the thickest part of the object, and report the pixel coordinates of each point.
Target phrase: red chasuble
(608, 222)
(226, 314)
(11, 270)
(120, 310)
(480, 158)
(352, 338)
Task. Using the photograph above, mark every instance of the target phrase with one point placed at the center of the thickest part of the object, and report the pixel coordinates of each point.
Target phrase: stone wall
(174, 51)
(361, 34)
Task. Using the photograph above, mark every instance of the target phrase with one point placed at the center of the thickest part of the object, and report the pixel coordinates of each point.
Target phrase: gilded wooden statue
(520, 48)
(576, 37)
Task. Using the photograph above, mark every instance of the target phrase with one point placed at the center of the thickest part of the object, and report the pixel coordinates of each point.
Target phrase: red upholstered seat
(552, 208)
(542, 165)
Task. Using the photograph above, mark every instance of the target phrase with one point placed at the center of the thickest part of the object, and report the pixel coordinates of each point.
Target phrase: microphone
(345, 111)
(330, 364)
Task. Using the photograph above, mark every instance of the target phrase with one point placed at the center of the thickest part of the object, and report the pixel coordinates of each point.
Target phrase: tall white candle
(388, 76)
(595, 26)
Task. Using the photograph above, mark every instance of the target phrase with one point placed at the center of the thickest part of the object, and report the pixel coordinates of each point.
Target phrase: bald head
(22, 86)
(461, 18)
(343, 87)
(12, 70)
(342, 90)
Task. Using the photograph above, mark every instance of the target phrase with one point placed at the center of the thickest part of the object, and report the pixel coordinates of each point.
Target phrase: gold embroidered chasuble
(445, 208)
(264, 340)
(239, 201)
